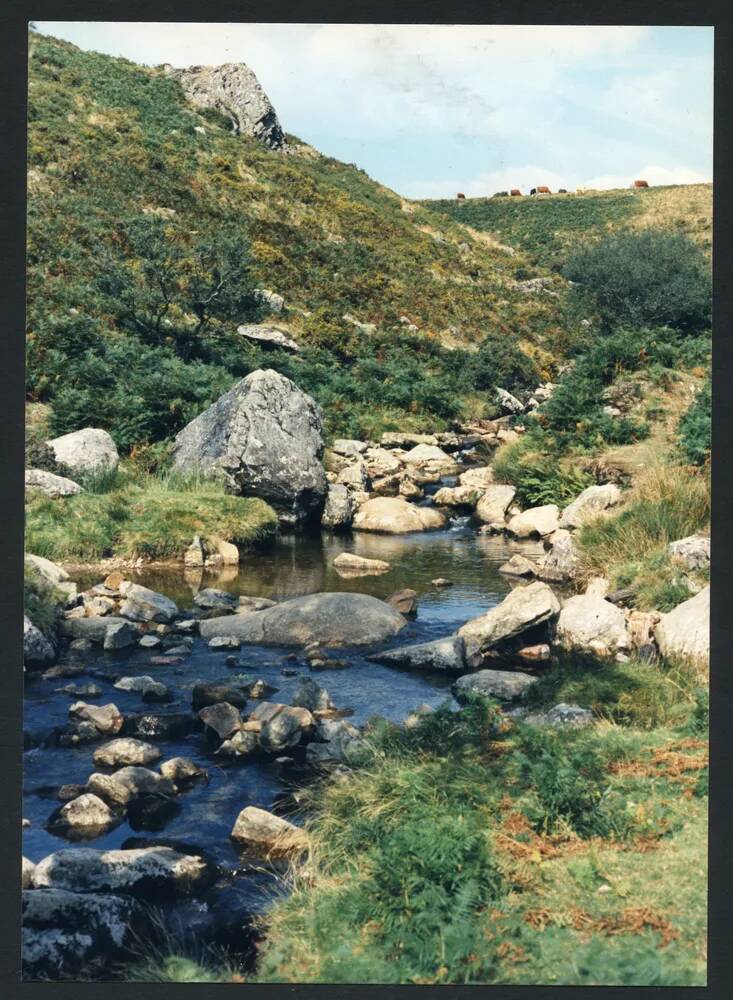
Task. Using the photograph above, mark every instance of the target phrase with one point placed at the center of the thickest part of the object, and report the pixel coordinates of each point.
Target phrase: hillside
(112, 143)
(545, 228)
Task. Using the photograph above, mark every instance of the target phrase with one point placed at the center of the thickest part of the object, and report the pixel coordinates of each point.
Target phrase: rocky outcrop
(441, 655)
(268, 337)
(234, 91)
(265, 437)
(592, 502)
(392, 516)
(521, 610)
(590, 623)
(505, 685)
(263, 833)
(51, 485)
(332, 619)
(685, 631)
(87, 450)
(146, 871)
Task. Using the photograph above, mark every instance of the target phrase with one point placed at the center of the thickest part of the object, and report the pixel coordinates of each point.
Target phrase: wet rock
(518, 565)
(148, 872)
(404, 602)
(38, 650)
(127, 784)
(348, 564)
(151, 690)
(81, 690)
(40, 481)
(491, 508)
(104, 718)
(504, 685)
(87, 450)
(265, 437)
(71, 791)
(204, 695)
(94, 629)
(443, 655)
(27, 870)
(85, 816)
(222, 718)
(393, 515)
(67, 934)
(692, 552)
(521, 610)
(592, 502)
(144, 605)
(126, 751)
(312, 696)
(590, 623)
(263, 833)
(241, 744)
(685, 631)
(224, 642)
(537, 521)
(119, 636)
(181, 770)
(213, 598)
(334, 619)
(480, 478)
(160, 727)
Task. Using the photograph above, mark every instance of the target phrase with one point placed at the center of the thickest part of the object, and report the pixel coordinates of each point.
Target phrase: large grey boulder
(144, 871)
(128, 784)
(504, 685)
(38, 650)
(392, 515)
(265, 437)
(332, 619)
(684, 632)
(339, 508)
(443, 655)
(85, 816)
(51, 485)
(535, 521)
(93, 628)
(70, 933)
(88, 450)
(268, 337)
(144, 605)
(493, 505)
(692, 552)
(263, 833)
(234, 91)
(522, 609)
(562, 561)
(590, 623)
(125, 752)
(592, 502)
(54, 573)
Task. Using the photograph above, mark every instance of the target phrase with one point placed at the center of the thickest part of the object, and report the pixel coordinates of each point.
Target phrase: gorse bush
(648, 278)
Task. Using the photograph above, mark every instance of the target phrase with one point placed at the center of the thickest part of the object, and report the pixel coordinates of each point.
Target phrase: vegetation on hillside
(139, 204)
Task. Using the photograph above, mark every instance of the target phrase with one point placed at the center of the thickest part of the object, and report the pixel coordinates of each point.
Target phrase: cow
(543, 189)
(640, 184)
(562, 190)
(533, 191)
(461, 196)
(514, 192)
(501, 194)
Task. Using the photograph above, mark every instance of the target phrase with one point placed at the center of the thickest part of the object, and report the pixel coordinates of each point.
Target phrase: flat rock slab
(504, 685)
(264, 833)
(520, 610)
(442, 655)
(685, 631)
(334, 619)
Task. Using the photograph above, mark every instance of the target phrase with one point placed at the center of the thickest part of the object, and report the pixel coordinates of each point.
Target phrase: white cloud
(653, 174)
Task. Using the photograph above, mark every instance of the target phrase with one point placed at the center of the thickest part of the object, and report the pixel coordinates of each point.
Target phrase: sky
(430, 110)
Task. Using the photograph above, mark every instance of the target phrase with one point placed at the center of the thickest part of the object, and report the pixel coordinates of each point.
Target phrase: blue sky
(429, 110)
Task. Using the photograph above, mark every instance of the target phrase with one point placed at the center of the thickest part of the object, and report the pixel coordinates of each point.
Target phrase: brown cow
(460, 195)
(543, 189)
(514, 192)
(641, 184)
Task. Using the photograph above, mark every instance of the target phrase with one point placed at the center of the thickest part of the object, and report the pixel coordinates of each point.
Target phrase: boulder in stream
(441, 655)
(264, 833)
(394, 516)
(126, 751)
(521, 610)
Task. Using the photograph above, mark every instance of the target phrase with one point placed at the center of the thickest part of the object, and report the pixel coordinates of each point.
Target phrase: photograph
(367, 504)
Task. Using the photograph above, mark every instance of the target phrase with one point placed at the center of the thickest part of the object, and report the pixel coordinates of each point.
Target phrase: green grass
(667, 503)
(465, 851)
(40, 599)
(152, 517)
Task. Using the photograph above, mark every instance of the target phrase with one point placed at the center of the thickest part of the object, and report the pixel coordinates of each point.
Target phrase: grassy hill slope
(545, 228)
(111, 143)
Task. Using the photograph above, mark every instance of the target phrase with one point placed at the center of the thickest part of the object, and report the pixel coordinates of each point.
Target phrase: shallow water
(294, 566)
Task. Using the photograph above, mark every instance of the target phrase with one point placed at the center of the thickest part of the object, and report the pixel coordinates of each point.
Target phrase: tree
(170, 290)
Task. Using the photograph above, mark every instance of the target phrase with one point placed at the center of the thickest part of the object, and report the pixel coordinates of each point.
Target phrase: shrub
(538, 474)
(695, 427)
(652, 277)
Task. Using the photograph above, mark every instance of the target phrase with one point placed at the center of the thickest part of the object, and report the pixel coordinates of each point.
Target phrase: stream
(205, 813)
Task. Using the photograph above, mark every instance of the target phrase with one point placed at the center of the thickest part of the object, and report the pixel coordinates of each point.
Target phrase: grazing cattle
(533, 191)
(543, 189)
(514, 192)
(460, 195)
(501, 194)
(562, 190)
(640, 184)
